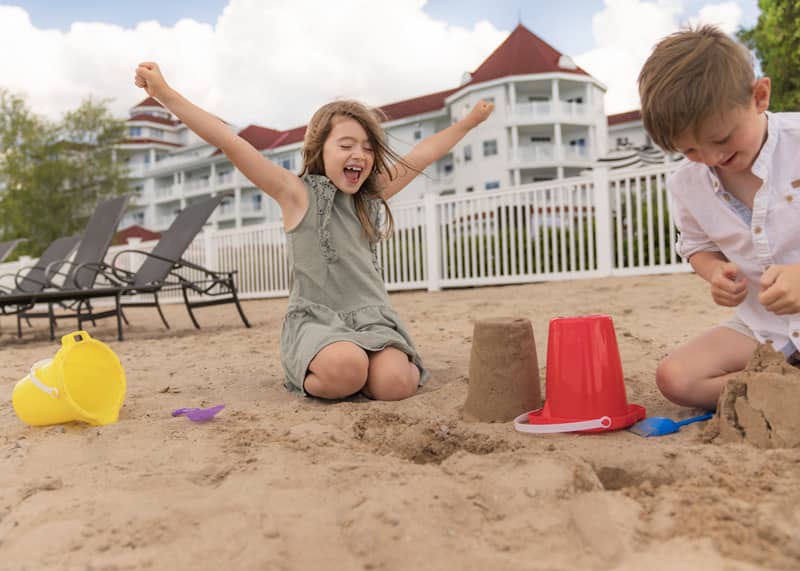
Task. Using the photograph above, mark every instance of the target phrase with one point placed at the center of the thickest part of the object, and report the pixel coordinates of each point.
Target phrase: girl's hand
(148, 76)
(780, 289)
(479, 113)
(727, 287)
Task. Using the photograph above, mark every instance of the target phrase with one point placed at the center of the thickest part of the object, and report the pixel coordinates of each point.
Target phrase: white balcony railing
(538, 153)
(163, 192)
(438, 181)
(549, 153)
(225, 179)
(545, 111)
(196, 184)
(136, 170)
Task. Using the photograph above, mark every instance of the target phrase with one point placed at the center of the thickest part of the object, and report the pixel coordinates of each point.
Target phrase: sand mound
(503, 371)
(760, 405)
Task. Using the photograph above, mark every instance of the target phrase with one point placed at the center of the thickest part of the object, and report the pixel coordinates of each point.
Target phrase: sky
(273, 62)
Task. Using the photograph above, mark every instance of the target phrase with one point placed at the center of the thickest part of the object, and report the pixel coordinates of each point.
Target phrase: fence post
(603, 220)
(432, 242)
(209, 253)
(133, 264)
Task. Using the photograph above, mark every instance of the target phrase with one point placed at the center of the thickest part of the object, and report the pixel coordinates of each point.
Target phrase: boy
(736, 202)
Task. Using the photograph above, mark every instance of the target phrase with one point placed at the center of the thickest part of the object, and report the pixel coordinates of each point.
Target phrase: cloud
(625, 32)
(269, 63)
(726, 16)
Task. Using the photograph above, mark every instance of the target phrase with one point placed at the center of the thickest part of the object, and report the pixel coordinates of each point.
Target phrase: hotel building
(549, 123)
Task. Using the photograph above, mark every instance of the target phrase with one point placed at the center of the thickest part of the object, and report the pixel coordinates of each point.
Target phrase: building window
(470, 188)
(580, 143)
(490, 148)
(287, 163)
(492, 185)
(417, 134)
(157, 133)
(540, 139)
(135, 131)
(623, 141)
(447, 192)
(467, 153)
(448, 168)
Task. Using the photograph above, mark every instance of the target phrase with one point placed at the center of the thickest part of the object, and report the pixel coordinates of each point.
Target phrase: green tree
(775, 39)
(53, 174)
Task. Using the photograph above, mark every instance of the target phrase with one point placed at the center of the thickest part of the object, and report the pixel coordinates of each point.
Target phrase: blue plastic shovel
(659, 426)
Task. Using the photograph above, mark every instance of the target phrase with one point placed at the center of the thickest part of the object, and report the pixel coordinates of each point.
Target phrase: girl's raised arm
(433, 148)
(285, 187)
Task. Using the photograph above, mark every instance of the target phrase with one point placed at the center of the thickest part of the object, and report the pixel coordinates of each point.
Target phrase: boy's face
(347, 155)
(730, 140)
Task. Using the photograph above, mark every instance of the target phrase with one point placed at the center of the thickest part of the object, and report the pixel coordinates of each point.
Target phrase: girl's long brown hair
(385, 158)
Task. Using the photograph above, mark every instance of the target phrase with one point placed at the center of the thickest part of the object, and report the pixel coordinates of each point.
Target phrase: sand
(761, 405)
(278, 481)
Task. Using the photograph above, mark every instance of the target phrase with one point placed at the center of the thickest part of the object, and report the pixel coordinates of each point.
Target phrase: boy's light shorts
(735, 323)
(739, 326)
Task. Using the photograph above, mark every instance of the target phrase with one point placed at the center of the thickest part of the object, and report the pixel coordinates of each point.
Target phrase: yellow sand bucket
(84, 381)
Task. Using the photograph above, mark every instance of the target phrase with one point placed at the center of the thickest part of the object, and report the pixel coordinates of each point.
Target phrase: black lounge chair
(7, 247)
(76, 273)
(32, 279)
(163, 270)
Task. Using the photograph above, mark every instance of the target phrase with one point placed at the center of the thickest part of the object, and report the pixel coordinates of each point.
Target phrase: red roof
(522, 53)
(260, 137)
(626, 117)
(126, 234)
(153, 119)
(288, 137)
(149, 102)
(417, 105)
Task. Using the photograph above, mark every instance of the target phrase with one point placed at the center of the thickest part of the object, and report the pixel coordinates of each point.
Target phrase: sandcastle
(760, 405)
(503, 371)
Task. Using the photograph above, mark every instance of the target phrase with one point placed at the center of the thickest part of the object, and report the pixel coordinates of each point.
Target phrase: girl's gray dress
(336, 289)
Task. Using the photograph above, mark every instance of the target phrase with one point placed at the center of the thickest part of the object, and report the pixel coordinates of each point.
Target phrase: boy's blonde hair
(691, 76)
(317, 133)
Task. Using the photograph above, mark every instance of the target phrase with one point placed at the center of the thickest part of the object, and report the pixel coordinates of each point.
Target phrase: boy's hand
(780, 289)
(148, 76)
(479, 113)
(727, 289)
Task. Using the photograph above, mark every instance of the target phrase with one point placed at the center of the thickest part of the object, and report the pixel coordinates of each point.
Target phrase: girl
(340, 334)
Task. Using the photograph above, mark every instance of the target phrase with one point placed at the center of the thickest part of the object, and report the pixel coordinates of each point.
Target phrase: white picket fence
(609, 223)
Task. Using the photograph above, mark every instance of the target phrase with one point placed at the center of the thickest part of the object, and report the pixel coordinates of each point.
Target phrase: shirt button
(757, 229)
(795, 333)
(789, 198)
(727, 197)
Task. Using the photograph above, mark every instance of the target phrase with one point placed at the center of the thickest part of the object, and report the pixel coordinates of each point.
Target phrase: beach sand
(278, 481)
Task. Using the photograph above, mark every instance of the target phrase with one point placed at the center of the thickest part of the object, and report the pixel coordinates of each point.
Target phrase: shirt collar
(761, 165)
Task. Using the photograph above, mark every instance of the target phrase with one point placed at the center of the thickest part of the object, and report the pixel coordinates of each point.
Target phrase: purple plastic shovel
(199, 414)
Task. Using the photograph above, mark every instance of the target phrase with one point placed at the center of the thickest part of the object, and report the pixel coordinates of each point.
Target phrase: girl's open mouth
(352, 174)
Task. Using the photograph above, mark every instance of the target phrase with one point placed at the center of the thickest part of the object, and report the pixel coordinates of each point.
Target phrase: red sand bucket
(585, 387)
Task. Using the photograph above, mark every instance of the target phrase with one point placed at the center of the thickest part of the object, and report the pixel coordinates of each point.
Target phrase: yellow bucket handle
(52, 391)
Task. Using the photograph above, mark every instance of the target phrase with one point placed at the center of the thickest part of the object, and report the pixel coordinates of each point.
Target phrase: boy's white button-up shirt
(711, 220)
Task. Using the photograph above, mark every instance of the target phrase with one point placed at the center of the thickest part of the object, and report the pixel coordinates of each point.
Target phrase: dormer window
(566, 62)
